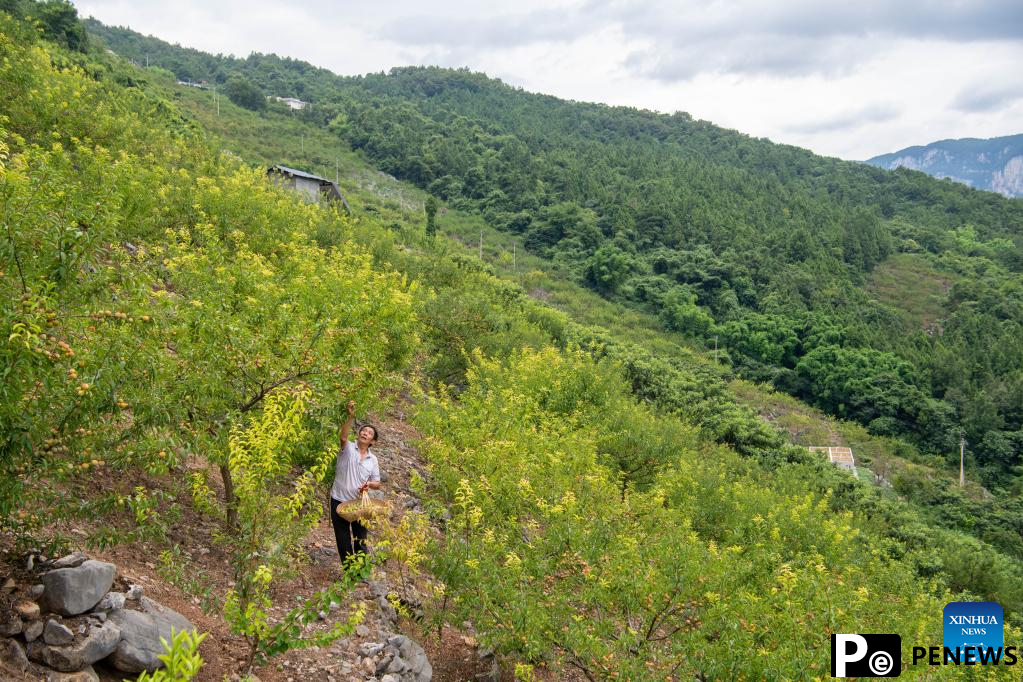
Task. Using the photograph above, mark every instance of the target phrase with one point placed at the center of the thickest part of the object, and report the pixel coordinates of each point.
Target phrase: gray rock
(390, 678)
(111, 601)
(87, 674)
(387, 611)
(378, 588)
(99, 643)
(417, 666)
(36, 592)
(383, 663)
(57, 634)
(141, 631)
(33, 630)
(70, 561)
(396, 665)
(10, 625)
(134, 592)
(362, 630)
(13, 655)
(368, 649)
(70, 591)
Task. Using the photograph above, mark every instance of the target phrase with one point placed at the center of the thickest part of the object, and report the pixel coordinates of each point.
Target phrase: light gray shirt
(350, 473)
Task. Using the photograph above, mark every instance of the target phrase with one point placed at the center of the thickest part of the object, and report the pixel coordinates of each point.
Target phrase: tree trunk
(230, 501)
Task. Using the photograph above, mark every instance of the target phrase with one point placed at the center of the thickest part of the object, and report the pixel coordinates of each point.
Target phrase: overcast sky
(852, 79)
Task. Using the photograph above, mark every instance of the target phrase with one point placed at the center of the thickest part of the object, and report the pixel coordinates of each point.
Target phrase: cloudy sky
(852, 79)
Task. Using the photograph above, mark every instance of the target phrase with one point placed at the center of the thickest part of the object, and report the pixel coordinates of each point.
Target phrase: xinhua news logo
(973, 628)
(866, 655)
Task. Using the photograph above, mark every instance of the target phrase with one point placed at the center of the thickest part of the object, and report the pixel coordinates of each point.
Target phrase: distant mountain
(995, 165)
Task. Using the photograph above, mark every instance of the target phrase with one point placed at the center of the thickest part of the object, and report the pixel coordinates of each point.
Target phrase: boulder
(415, 667)
(70, 591)
(71, 561)
(141, 631)
(87, 674)
(57, 634)
(98, 643)
(10, 624)
(33, 630)
(134, 592)
(35, 592)
(13, 655)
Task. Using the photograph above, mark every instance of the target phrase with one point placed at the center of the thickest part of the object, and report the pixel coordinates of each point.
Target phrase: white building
(292, 103)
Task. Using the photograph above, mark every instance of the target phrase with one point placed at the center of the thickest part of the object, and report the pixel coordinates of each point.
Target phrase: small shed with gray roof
(312, 188)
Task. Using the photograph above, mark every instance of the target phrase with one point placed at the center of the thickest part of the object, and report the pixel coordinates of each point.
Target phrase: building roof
(298, 173)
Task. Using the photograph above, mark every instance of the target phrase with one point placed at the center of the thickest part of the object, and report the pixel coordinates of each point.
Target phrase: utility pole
(515, 266)
(337, 171)
(715, 348)
(962, 452)
(147, 60)
(481, 245)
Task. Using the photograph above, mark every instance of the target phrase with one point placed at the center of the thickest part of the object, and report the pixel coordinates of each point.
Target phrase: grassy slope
(912, 286)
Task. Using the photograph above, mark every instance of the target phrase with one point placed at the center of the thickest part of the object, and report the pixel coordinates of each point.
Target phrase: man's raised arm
(346, 428)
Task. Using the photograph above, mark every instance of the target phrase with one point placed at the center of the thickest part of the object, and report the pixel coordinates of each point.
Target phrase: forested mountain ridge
(921, 302)
(994, 164)
(765, 248)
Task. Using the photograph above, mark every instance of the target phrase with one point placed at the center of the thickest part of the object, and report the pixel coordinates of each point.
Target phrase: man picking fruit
(356, 471)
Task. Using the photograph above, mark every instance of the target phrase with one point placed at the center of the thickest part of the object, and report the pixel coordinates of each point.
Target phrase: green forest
(765, 249)
(603, 501)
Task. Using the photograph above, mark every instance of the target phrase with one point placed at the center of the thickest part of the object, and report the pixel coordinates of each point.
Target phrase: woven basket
(362, 509)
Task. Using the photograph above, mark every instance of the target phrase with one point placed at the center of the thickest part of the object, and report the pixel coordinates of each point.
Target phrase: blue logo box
(975, 624)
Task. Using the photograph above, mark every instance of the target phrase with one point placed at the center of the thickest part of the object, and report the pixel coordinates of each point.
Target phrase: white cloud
(850, 79)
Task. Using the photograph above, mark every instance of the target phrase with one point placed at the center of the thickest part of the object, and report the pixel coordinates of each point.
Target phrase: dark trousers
(350, 536)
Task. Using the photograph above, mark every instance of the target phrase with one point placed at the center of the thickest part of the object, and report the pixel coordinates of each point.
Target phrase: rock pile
(71, 619)
(398, 659)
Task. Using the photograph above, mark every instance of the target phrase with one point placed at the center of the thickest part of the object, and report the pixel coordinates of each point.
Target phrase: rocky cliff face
(995, 165)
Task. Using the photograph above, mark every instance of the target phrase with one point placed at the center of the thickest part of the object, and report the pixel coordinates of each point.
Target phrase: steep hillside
(761, 249)
(180, 337)
(995, 164)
